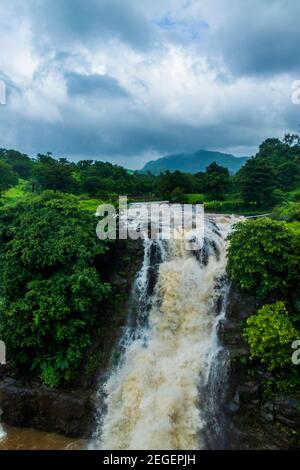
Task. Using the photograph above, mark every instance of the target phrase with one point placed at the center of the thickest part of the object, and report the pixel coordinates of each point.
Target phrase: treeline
(53, 294)
(260, 183)
(94, 178)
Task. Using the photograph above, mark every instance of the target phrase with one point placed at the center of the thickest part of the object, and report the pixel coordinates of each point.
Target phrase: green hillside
(194, 162)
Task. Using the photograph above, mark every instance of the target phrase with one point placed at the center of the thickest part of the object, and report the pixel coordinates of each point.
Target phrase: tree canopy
(264, 257)
(7, 177)
(51, 286)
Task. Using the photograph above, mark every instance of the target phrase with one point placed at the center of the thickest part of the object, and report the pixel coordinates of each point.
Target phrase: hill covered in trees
(193, 162)
(270, 178)
(54, 286)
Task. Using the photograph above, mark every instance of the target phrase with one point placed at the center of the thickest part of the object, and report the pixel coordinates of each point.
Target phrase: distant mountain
(194, 162)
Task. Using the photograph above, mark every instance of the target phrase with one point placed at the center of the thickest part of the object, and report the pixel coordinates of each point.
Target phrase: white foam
(153, 399)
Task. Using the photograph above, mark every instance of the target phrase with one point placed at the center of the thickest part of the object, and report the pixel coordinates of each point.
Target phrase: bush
(295, 195)
(7, 177)
(289, 211)
(195, 198)
(50, 284)
(270, 334)
(264, 257)
(225, 206)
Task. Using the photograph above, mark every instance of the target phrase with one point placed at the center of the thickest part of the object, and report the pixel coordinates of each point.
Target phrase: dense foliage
(216, 182)
(20, 163)
(263, 181)
(257, 181)
(7, 177)
(275, 167)
(51, 263)
(51, 285)
(288, 211)
(270, 334)
(264, 257)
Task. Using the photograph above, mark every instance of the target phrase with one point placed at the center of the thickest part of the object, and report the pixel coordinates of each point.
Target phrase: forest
(52, 266)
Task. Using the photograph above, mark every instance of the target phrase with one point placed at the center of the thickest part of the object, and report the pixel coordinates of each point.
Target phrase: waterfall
(164, 392)
(2, 433)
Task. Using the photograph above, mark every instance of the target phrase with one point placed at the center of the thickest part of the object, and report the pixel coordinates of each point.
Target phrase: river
(163, 393)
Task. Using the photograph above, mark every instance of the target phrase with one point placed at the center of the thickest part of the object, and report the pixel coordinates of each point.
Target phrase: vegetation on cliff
(52, 264)
(51, 287)
(264, 260)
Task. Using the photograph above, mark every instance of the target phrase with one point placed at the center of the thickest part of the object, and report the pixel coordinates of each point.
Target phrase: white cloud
(184, 91)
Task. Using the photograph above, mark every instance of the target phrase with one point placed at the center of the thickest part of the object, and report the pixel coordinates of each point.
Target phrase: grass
(294, 195)
(195, 198)
(89, 204)
(22, 191)
(16, 192)
(231, 204)
(295, 227)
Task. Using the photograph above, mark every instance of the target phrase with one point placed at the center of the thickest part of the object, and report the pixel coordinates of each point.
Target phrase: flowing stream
(168, 387)
(167, 390)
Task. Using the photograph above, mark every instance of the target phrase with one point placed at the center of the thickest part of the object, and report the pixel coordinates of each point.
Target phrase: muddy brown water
(30, 439)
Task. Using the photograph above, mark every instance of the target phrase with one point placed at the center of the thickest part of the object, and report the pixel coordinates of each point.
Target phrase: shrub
(225, 206)
(270, 334)
(50, 284)
(289, 211)
(264, 257)
(195, 198)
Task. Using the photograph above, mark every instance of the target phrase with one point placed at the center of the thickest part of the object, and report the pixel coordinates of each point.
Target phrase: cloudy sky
(131, 80)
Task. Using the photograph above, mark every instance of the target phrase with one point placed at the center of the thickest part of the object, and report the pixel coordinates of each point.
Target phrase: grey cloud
(87, 22)
(94, 85)
(258, 37)
(115, 138)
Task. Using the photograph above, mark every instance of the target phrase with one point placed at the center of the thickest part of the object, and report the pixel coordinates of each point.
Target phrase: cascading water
(163, 394)
(2, 432)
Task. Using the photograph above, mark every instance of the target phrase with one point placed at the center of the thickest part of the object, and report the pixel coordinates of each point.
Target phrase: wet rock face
(254, 421)
(69, 412)
(240, 305)
(155, 260)
(286, 411)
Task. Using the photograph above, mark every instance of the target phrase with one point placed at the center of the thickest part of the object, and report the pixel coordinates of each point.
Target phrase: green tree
(217, 181)
(264, 257)
(270, 334)
(51, 286)
(288, 174)
(288, 211)
(168, 182)
(21, 164)
(7, 177)
(52, 174)
(257, 181)
(92, 185)
(177, 196)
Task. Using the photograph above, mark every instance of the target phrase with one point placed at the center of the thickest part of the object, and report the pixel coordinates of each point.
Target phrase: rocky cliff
(253, 420)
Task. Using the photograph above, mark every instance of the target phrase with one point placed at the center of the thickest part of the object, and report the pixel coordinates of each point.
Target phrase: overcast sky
(131, 80)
